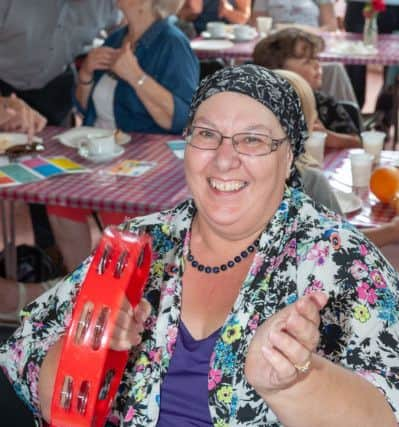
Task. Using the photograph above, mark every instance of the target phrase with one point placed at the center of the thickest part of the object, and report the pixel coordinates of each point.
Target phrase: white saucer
(211, 44)
(74, 136)
(243, 39)
(101, 158)
(207, 35)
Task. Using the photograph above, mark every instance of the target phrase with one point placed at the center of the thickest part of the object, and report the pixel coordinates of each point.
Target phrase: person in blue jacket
(144, 76)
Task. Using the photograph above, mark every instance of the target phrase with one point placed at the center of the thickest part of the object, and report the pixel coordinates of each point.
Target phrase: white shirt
(103, 98)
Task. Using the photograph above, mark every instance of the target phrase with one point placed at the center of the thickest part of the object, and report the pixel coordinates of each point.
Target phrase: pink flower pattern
(367, 293)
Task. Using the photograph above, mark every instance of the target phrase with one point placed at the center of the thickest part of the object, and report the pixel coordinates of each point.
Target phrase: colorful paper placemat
(36, 169)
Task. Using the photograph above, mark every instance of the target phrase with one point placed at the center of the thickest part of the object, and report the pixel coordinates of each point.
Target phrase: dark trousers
(388, 22)
(53, 101)
(14, 413)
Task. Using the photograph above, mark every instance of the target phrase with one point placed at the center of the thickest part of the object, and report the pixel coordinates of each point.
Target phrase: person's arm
(385, 234)
(239, 14)
(329, 396)
(100, 58)
(191, 9)
(288, 361)
(328, 19)
(157, 100)
(126, 334)
(16, 115)
(167, 98)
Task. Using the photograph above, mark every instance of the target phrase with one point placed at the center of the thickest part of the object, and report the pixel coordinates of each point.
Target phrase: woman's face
(306, 66)
(236, 194)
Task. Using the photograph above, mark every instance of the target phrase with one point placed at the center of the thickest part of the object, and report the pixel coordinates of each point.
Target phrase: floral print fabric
(301, 250)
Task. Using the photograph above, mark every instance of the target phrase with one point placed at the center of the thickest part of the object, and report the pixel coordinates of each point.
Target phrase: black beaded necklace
(223, 267)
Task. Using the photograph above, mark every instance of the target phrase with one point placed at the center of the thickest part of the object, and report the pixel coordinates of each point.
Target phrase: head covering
(266, 87)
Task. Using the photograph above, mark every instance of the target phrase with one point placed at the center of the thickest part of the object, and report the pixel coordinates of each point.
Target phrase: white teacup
(243, 32)
(264, 25)
(315, 145)
(100, 143)
(216, 29)
(361, 165)
(373, 143)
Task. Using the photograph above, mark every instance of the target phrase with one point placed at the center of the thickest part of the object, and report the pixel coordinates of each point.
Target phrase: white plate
(348, 202)
(72, 137)
(103, 157)
(346, 47)
(207, 35)
(211, 44)
(9, 139)
(244, 39)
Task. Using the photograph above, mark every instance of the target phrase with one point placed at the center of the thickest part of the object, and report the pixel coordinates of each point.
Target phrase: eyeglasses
(247, 143)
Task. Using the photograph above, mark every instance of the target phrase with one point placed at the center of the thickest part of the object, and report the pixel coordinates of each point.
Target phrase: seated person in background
(261, 309)
(315, 183)
(296, 50)
(144, 76)
(312, 16)
(312, 13)
(200, 12)
(142, 80)
(17, 116)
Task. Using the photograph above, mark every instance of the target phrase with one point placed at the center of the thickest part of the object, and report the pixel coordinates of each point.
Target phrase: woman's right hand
(100, 58)
(129, 325)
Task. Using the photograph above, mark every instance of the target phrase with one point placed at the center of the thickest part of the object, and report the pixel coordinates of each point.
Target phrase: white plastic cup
(315, 145)
(98, 144)
(361, 165)
(216, 29)
(264, 25)
(373, 143)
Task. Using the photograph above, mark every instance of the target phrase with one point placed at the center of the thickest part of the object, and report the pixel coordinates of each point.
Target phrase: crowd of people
(263, 305)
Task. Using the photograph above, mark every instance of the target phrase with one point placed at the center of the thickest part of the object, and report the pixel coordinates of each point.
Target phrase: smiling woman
(260, 308)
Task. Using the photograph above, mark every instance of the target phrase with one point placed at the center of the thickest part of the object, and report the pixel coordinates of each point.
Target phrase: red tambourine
(89, 372)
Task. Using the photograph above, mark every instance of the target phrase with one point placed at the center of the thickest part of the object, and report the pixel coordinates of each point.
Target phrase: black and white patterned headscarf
(266, 87)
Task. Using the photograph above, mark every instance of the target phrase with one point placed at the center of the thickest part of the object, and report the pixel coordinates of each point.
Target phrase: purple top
(184, 390)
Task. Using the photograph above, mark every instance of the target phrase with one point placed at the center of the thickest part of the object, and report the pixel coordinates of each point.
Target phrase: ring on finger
(303, 368)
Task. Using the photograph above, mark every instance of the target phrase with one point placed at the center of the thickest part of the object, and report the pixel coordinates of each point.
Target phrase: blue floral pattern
(304, 248)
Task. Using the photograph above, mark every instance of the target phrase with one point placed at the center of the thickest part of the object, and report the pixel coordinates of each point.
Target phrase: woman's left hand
(280, 352)
(126, 64)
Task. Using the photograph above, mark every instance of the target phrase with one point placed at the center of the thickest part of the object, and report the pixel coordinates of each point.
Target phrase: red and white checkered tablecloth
(338, 171)
(160, 188)
(388, 50)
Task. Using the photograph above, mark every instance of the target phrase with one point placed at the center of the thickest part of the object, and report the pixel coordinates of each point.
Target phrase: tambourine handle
(89, 372)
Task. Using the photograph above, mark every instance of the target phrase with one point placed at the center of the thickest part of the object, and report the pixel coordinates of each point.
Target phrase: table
(387, 54)
(337, 169)
(388, 50)
(160, 188)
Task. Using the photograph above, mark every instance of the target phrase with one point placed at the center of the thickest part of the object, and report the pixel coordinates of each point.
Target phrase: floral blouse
(303, 248)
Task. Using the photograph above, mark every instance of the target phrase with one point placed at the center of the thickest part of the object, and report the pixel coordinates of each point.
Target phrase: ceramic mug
(243, 32)
(101, 143)
(216, 29)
